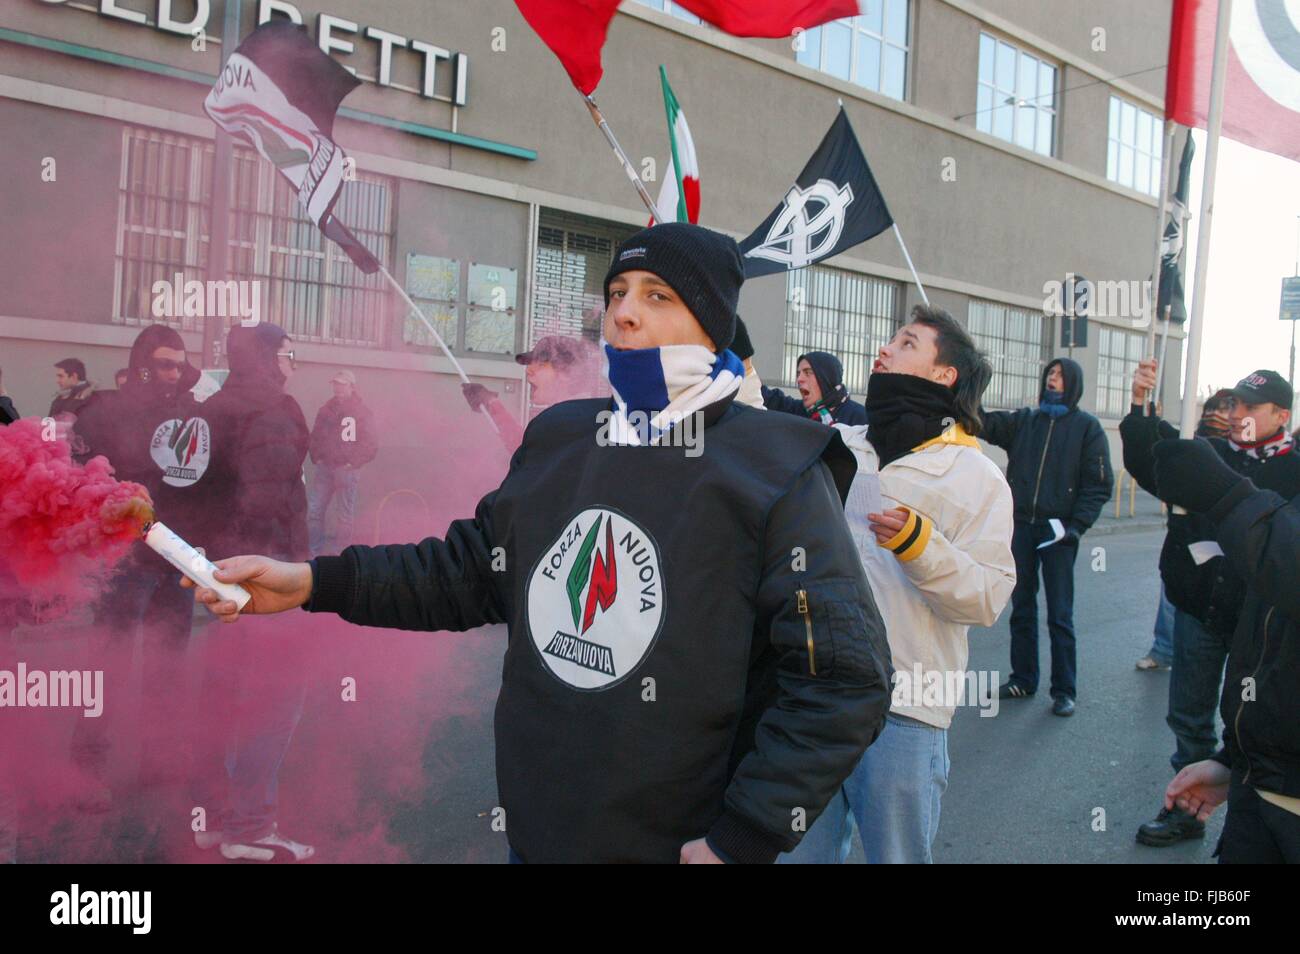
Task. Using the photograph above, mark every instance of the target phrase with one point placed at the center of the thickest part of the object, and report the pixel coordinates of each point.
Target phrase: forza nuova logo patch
(181, 449)
(596, 600)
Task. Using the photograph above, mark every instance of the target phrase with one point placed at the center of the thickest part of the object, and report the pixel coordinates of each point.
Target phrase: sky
(1252, 246)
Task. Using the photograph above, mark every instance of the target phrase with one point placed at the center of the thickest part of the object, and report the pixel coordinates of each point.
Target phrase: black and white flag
(833, 205)
(278, 92)
(1171, 247)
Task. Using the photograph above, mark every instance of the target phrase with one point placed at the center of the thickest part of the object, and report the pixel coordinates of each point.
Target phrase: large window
(1016, 97)
(1134, 144)
(307, 285)
(1118, 354)
(847, 314)
(869, 49)
(1015, 340)
(676, 9)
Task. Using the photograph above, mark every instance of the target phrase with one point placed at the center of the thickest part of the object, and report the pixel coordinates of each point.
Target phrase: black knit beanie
(701, 265)
(741, 346)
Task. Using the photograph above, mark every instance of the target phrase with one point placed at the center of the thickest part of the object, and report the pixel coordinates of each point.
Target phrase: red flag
(1261, 101)
(575, 32)
(575, 29)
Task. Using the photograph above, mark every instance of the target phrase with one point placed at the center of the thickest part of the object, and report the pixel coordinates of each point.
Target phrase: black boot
(1172, 825)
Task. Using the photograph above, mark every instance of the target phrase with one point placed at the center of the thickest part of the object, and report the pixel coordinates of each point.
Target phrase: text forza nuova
(209, 299)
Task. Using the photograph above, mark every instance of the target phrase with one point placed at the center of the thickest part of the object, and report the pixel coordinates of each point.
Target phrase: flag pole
(1214, 126)
(599, 120)
(436, 337)
(915, 277)
(1164, 347)
(1153, 296)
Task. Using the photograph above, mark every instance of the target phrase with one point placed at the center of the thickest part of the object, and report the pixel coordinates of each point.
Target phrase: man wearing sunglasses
(153, 432)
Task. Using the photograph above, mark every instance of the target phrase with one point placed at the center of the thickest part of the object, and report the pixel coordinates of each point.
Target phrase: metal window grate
(308, 285)
(847, 314)
(573, 255)
(1016, 342)
(1118, 354)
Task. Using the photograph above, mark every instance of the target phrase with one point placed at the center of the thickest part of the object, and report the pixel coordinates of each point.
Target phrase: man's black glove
(476, 395)
(1192, 475)
(1071, 536)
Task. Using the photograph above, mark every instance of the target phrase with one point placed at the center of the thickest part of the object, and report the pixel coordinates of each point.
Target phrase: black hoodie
(153, 434)
(1058, 467)
(830, 378)
(260, 502)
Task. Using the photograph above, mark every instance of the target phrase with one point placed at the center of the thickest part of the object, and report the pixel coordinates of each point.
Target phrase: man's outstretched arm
(431, 585)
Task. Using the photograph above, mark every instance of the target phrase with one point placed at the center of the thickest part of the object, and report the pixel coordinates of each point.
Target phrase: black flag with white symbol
(834, 205)
(1171, 248)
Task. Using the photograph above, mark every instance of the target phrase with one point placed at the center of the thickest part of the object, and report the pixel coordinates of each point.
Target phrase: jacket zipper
(802, 596)
(1042, 460)
(1236, 721)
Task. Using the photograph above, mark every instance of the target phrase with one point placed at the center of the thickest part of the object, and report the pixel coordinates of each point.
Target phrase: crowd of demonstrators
(819, 376)
(938, 561)
(343, 440)
(1207, 589)
(755, 726)
(152, 434)
(1058, 467)
(558, 368)
(74, 389)
(1258, 769)
(1214, 423)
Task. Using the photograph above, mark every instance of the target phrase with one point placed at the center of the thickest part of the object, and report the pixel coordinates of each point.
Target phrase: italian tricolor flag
(679, 196)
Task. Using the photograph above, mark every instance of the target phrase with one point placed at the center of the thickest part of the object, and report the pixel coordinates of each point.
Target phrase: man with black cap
(154, 433)
(695, 660)
(558, 369)
(1207, 591)
(822, 394)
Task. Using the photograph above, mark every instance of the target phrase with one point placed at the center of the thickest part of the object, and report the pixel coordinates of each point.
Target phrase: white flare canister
(163, 541)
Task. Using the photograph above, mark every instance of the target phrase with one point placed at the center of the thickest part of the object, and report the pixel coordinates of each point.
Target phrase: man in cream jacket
(932, 519)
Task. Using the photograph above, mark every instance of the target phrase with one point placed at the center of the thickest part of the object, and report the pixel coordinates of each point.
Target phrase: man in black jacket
(1258, 769)
(695, 660)
(1058, 466)
(822, 393)
(153, 432)
(1207, 592)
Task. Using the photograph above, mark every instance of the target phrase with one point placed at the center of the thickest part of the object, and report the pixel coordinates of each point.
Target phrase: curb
(1132, 525)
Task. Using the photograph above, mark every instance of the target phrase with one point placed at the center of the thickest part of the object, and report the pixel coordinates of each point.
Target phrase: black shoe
(1063, 706)
(1011, 690)
(1172, 825)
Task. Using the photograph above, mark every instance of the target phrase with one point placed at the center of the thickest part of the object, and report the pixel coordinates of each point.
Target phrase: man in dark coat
(343, 440)
(1058, 466)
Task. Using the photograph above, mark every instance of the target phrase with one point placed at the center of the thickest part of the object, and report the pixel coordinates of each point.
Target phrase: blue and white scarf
(655, 388)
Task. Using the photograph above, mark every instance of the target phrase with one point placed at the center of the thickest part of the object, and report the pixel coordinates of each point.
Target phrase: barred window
(869, 49)
(1118, 354)
(308, 285)
(1016, 341)
(573, 254)
(847, 314)
(1016, 95)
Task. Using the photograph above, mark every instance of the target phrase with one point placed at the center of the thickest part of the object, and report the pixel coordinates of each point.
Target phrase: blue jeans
(1194, 685)
(325, 483)
(254, 701)
(1162, 650)
(1057, 563)
(893, 794)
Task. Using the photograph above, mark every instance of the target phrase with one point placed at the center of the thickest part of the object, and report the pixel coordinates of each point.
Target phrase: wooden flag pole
(1164, 347)
(600, 122)
(915, 277)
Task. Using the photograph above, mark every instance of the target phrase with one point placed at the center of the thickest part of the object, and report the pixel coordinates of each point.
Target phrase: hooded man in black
(695, 659)
(1058, 466)
(823, 395)
(259, 505)
(154, 433)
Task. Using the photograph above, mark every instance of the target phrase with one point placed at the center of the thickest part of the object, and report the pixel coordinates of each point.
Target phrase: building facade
(1017, 143)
